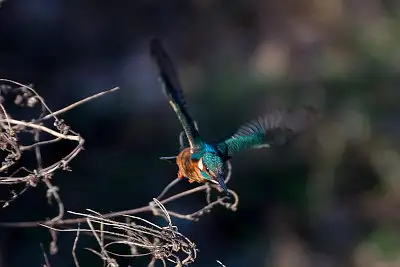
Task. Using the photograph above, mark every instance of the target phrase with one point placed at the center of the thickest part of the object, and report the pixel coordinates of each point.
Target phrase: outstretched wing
(173, 90)
(273, 129)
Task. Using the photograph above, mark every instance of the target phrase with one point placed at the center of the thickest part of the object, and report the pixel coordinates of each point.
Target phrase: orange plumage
(188, 167)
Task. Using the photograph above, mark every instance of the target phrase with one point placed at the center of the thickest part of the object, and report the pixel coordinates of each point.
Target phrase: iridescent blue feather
(273, 129)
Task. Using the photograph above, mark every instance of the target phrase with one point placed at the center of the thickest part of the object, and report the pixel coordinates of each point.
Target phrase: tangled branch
(210, 190)
(19, 137)
(140, 236)
(165, 244)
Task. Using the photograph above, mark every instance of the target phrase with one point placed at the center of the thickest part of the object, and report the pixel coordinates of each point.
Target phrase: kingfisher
(204, 161)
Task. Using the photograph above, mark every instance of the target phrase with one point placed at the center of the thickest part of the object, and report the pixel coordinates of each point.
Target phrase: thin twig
(80, 102)
(168, 187)
(124, 212)
(42, 128)
(48, 142)
(46, 259)
(147, 208)
(10, 141)
(51, 190)
(32, 90)
(7, 118)
(222, 265)
(162, 243)
(74, 247)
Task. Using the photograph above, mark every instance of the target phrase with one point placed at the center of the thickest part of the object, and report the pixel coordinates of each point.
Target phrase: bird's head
(212, 168)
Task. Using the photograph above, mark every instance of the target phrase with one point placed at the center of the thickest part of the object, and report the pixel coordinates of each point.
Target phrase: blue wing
(273, 129)
(173, 90)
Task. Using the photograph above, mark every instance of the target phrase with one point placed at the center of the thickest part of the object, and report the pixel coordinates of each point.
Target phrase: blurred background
(331, 199)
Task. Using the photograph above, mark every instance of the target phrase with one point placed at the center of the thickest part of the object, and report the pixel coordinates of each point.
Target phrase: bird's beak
(221, 182)
(169, 159)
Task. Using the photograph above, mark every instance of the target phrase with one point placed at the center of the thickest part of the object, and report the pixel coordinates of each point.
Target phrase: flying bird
(204, 161)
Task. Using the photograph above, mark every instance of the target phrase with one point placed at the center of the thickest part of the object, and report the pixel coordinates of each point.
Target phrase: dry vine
(151, 207)
(161, 243)
(15, 133)
(160, 247)
(140, 236)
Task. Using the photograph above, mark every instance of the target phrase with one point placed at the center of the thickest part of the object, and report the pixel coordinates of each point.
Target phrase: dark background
(328, 200)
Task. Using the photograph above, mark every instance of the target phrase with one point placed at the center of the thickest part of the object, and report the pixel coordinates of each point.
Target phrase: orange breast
(188, 168)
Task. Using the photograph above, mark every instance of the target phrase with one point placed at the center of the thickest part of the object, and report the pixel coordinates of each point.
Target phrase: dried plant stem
(42, 128)
(46, 259)
(74, 247)
(11, 128)
(165, 244)
(74, 105)
(143, 209)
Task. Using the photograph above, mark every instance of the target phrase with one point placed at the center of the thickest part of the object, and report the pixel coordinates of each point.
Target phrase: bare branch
(74, 247)
(220, 263)
(164, 243)
(11, 129)
(80, 102)
(46, 259)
